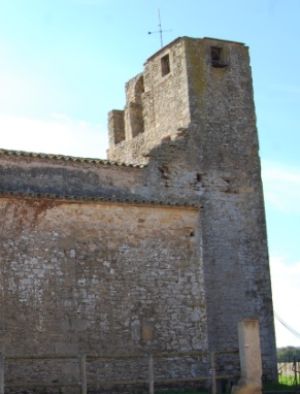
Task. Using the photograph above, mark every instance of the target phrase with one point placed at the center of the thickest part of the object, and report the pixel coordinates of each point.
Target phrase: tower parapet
(189, 81)
(156, 105)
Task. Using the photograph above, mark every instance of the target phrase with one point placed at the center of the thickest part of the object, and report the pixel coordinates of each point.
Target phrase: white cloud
(281, 186)
(58, 134)
(282, 193)
(285, 286)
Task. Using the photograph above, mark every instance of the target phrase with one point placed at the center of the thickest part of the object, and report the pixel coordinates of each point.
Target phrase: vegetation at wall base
(288, 354)
(288, 381)
(181, 391)
(279, 387)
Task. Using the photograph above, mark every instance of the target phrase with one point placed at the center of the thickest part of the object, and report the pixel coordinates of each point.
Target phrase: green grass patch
(287, 380)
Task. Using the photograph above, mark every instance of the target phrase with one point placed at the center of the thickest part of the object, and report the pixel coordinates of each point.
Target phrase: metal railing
(150, 380)
(289, 372)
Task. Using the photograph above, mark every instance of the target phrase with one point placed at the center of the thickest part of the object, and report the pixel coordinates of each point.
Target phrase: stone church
(160, 248)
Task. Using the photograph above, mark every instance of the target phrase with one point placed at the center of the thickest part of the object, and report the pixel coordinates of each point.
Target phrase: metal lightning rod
(160, 30)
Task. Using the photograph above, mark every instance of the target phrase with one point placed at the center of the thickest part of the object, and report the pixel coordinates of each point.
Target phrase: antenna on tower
(160, 30)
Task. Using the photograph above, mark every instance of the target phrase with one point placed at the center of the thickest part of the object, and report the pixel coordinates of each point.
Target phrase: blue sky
(64, 63)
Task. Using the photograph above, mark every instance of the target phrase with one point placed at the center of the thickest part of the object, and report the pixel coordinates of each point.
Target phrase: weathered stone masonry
(94, 253)
(89, 275)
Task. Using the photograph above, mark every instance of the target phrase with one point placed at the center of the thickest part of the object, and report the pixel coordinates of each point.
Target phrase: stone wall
(221, 101)
(23, 172)
(90, 277)
(162, 95)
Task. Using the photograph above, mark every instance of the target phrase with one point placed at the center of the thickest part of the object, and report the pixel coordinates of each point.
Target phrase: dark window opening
(217, 57)
(165, 65)
(139, 88)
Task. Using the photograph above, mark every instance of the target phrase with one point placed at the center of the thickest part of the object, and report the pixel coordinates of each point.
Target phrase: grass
(287, 380)
(285, 383)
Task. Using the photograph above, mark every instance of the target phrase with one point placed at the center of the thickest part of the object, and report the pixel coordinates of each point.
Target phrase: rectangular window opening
(217, 57)
(165, 65)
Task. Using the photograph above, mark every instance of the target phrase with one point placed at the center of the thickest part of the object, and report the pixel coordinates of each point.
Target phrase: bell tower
(204, 82)
(193, 119)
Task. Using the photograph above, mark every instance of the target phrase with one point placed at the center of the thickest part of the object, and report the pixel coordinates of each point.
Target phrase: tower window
(165, 65)
(217, 57)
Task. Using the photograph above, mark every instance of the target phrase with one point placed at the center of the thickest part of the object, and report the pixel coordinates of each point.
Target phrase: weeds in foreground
(288, 380)
(181, 391)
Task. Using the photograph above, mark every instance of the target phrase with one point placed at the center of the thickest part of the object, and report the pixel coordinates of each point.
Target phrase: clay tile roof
(49, 156)
(126, 200)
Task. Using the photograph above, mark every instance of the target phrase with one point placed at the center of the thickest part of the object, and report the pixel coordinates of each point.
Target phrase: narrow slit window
(165, 65)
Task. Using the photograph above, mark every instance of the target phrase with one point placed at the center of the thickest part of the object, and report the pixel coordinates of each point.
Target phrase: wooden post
(213, 373)
(295, 371)
(151, 375)
(1, 373)
(83, 379)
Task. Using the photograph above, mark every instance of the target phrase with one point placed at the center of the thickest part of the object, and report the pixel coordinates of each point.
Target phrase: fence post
(83, 379)
(213, 372)
(151, 374)
(295, 371)
(2, 373)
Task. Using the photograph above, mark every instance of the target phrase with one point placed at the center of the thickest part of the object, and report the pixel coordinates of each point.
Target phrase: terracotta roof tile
(48, 156)
(126, 200)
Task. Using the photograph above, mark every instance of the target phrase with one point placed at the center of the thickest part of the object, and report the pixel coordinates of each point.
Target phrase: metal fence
(289, 372)
(151, 379)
